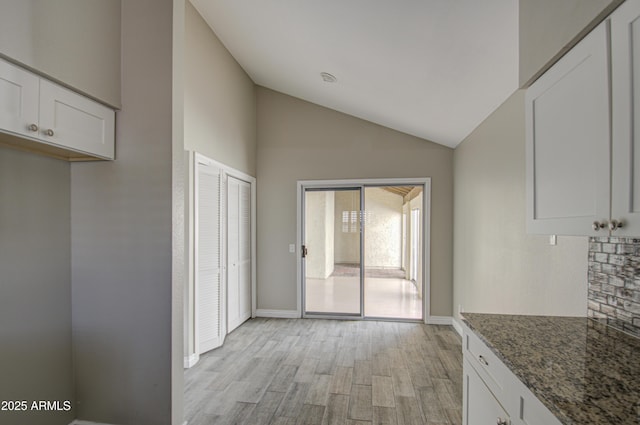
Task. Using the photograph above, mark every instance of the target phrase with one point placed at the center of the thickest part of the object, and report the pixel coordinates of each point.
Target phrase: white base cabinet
(40, 116)
(492, 394)
(480, 406)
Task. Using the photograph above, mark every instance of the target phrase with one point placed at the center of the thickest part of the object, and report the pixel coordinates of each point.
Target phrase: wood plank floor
(325, 372)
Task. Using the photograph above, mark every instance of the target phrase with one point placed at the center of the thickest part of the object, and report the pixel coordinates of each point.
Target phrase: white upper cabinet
(18, 100)
(76, 122)
(43, 117)
(625, 186)
(583, 132)
(568, 141)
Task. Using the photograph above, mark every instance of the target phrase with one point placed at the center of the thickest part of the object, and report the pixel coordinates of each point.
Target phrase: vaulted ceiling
(431, 68)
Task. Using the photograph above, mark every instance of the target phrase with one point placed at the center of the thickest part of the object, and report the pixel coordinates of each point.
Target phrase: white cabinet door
(209, 293)
(625, 52)
(18, 100)
(238, 252)
(70, 120)
(480, 406)
(568, 141)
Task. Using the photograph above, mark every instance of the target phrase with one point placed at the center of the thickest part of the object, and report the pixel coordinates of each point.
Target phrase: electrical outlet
(553, 240)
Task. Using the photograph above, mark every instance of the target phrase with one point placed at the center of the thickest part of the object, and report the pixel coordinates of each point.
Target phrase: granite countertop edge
(563, 416)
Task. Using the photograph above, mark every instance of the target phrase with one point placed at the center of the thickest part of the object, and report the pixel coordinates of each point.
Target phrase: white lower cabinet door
(238, 252)
(76, 122)
(480, 406)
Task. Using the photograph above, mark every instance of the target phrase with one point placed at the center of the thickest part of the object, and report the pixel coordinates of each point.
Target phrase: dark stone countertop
(583, 371)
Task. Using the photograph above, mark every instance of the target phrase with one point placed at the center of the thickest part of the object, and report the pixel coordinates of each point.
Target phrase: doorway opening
(363, 249)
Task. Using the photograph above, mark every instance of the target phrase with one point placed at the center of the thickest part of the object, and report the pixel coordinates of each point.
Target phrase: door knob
(33, 127)
(502, 422)
(49, 132)
(598, 225)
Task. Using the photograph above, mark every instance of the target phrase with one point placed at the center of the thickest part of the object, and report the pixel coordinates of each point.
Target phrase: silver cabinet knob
(49, 132)
(502, 422)
(33, 127)
(598, 225)
(615, 225)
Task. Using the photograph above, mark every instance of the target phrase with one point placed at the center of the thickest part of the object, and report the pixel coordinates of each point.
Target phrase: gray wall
(219, 99)
(76, 42)
(498, 267)
(298, 140)
(217, 105)
(121, 240)
(35, 285)
(548, 28)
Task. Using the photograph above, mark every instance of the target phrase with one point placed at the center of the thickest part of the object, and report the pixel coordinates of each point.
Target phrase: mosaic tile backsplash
(614, 282)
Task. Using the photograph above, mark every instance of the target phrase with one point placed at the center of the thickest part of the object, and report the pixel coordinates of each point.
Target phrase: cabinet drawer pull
(33, 127)
(49, 133)
(598, 225)
(482, 360)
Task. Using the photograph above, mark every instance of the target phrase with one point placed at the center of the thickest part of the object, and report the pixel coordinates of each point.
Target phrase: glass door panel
(332, 254)
(392, 252)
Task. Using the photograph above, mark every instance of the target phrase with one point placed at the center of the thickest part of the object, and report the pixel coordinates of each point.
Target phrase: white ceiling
(431, 68)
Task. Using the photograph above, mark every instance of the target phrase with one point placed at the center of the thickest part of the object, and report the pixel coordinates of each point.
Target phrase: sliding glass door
(331, 252)
(363, 251)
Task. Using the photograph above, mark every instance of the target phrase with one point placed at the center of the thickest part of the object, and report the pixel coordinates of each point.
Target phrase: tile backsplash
(614, 282)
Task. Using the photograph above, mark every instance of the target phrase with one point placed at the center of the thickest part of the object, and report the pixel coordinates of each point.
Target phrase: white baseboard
(190, 361)
(280, 314)
(438, 320)
(457, 326)
(79, 422)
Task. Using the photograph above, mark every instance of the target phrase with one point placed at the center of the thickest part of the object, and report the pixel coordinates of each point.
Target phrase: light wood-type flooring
(303, 371)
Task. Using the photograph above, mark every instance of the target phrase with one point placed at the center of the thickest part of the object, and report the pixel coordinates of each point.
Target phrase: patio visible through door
(363, 251)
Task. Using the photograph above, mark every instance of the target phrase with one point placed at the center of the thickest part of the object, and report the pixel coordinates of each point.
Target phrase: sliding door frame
(301, 238)
(424, 182)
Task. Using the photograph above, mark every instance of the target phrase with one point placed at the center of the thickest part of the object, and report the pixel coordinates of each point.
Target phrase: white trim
(191, 360)
(438, 320)
(425, 182)
(279, 314)
(457, 326)
(79, 422)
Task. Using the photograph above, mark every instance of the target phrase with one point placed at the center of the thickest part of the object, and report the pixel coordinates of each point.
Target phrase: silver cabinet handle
(598, 225)
(615, 225)
(49, 133)
(482, 360)
(33, 127)
(502, 422)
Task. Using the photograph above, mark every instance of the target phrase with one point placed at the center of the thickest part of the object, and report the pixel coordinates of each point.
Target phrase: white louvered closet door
(239, 252)
(209, 294)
